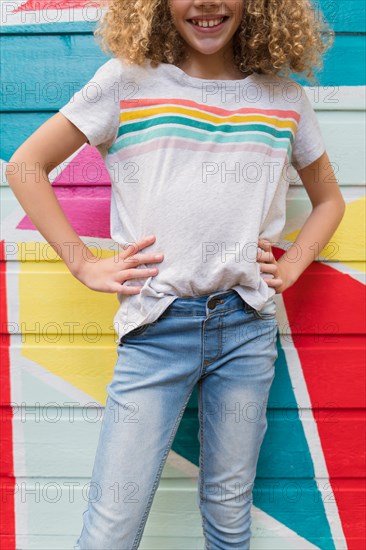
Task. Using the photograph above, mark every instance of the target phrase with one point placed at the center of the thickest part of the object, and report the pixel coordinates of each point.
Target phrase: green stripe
(208, 127)
(188, 134)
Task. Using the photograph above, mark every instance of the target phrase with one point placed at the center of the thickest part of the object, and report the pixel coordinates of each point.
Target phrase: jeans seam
(219, 336)
(257, 314)
(219, 346)
(202, 348)
(264, 317)
(202, 462)
(156, 482)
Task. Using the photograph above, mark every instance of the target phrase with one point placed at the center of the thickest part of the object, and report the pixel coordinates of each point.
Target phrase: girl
(198, 124)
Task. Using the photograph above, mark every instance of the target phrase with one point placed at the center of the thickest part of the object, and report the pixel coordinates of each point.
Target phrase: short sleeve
(94, 109)
(309, 143)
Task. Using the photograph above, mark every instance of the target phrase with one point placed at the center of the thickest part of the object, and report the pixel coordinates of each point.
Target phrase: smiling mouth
(209, 23)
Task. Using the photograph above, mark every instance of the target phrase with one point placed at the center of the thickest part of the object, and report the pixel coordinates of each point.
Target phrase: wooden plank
(344, 16)
(181, 503)
(61, 448)
(51, 67)
(50, 302)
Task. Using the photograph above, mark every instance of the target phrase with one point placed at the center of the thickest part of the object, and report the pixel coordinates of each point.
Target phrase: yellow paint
(67, 328)
(84, 364)
(347, 245)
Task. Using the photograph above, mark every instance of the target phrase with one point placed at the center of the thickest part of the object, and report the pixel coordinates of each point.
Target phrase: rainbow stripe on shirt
(149, 124)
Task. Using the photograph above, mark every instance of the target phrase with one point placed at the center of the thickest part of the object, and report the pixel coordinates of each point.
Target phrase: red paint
(326, 313)
(35, 5)
(7, 478)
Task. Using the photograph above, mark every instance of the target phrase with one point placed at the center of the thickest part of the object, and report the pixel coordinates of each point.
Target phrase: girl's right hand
(109, 274)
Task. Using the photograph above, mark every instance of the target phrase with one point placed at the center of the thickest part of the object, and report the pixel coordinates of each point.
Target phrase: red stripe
(151, 102)
(326, 313)
(7, 479)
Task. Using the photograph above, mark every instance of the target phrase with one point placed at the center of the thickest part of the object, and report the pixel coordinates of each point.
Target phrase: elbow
(336, 206)
(340, 207)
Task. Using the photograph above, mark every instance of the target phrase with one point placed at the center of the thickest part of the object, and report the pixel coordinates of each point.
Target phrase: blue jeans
(229, 349)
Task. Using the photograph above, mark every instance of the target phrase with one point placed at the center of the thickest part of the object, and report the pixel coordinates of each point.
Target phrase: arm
(328, 210)
(27, 175)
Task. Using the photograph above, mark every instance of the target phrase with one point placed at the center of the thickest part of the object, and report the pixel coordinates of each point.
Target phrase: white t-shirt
(203, 165)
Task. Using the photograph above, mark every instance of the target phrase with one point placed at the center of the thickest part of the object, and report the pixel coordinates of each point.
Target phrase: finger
(124, 289)
(265, 256)
(275, 282)
(137, 273)
(132, 248)
(145, 258)
(269, 268)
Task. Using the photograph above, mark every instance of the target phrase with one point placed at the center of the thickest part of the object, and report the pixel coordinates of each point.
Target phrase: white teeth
(210, 23)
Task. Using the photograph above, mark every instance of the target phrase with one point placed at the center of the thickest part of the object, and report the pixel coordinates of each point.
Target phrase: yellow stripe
(348, 241)
(126, 116)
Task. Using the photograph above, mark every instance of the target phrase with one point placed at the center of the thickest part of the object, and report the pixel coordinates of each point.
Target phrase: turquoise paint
(343, 65)
(50, 28)
(47, 81)
(343, 16)
(16, 128)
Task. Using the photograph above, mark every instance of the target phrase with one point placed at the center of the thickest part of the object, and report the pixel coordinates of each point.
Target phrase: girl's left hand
(269, 264)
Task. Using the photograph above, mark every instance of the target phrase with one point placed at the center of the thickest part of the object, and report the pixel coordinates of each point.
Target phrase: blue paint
(286, 466)
(343, 16)
(72, 60)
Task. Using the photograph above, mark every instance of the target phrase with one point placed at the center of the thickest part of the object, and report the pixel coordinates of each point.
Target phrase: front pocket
(138, 331)
(268, 311)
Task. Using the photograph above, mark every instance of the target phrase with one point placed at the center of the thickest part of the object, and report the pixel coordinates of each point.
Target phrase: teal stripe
(206, 126)
(160, 132)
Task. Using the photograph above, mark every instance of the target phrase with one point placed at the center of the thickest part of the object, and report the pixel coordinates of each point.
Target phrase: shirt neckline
(198, 82)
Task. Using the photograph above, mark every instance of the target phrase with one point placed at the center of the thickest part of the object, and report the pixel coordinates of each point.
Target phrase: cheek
(179, 7)
(236, 7)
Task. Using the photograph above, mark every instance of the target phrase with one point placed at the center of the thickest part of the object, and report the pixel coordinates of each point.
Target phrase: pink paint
(35, 5)
(83, 189)
(86, 168)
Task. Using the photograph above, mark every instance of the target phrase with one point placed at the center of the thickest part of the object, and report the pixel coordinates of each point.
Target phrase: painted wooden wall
(56, 359)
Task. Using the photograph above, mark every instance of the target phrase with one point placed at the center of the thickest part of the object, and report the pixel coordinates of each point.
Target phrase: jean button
(212, 303)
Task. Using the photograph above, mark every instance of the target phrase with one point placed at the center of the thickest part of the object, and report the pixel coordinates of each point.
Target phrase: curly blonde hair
(274, 36)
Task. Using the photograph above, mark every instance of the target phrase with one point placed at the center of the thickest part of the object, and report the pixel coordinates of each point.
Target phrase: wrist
(81, 259)
(289, 273)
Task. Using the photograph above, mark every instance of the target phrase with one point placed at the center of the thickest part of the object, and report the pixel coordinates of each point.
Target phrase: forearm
(37, 198)
(314, 235)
